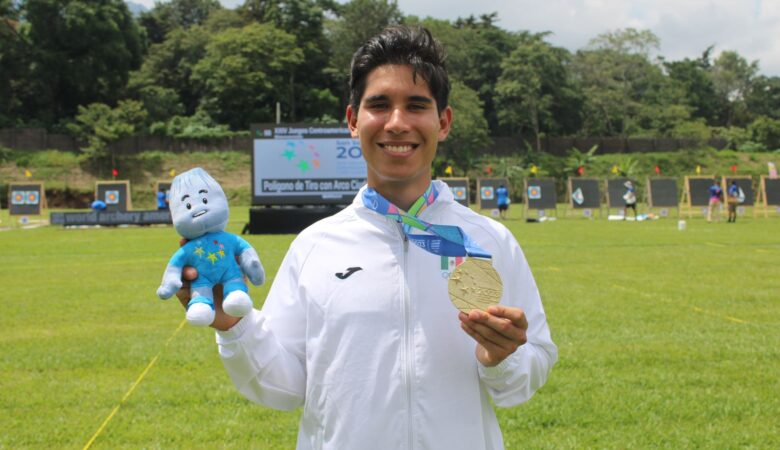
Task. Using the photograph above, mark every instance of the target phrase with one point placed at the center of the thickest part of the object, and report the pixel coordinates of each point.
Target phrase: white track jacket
(358, 328)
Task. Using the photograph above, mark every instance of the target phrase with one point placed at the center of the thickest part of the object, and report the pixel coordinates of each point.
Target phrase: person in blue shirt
(503, 201)
(733, 200)
(162, 199)
(716, 194)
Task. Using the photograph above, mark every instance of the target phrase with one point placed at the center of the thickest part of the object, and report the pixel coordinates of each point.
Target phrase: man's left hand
(499, 331)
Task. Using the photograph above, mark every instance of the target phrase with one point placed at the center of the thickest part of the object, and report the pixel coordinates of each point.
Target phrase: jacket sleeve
(264, 353)
(515, 379)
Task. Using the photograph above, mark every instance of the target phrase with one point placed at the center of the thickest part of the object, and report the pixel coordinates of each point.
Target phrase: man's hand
(222, 321)
(498, 332)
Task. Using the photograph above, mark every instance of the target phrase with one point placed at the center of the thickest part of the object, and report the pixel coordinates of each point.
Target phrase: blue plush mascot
(199, 210)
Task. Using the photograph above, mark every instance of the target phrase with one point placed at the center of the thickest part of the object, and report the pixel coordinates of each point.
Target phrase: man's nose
(397, 122)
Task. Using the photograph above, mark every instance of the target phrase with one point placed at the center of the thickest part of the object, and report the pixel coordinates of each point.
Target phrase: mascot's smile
(199, 213)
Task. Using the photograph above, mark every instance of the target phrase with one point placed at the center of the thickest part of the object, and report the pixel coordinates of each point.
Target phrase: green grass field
(667, 339)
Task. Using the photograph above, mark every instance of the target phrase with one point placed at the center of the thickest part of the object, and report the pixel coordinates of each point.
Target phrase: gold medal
(475, 284)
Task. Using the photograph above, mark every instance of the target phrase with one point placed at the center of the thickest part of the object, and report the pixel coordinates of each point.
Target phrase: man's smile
(398, 148)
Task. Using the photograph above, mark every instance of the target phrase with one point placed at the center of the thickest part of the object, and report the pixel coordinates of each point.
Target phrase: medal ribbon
(443, 240)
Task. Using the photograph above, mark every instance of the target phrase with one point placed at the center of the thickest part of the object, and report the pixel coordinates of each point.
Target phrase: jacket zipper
(407, 338)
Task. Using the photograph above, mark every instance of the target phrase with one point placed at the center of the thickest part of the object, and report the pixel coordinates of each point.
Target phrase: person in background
(716, 196)
(162, 199)
(357, 327)
(503, 201)
(629, 197)
(98, 205)
(732, 200)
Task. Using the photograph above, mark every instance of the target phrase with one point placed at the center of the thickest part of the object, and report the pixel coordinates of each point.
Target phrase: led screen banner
(305, 165)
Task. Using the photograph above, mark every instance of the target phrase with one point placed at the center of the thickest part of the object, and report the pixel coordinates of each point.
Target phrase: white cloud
(686, 27)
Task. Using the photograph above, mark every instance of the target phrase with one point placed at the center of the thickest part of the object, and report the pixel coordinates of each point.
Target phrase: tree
(765, 131)
(624, 90)
(170, 65)
(168, 16)
(533, 81)
(692, 77)
(82, 52)
(160, 103)
(476, 47)
(764, 97)
(101, 125)
(12, 62)
(309, 84)
(469, 133)
(356, 21)
(732, 78)
(241, 73)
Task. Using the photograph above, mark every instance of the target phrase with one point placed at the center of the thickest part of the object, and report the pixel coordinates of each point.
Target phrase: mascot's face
(198, 204)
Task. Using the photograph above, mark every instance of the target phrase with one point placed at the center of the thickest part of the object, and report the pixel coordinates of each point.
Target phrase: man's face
(399, 128)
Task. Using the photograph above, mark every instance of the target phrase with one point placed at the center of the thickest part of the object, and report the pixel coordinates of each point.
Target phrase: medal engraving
(475, 284)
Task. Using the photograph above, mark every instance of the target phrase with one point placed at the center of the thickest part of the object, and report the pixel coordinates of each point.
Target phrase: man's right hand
(222, 321)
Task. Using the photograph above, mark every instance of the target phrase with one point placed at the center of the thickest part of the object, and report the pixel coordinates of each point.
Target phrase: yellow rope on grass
(132, 388)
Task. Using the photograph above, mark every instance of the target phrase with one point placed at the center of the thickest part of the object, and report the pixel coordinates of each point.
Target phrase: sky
(685, 27)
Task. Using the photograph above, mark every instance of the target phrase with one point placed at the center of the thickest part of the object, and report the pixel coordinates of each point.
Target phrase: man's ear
(445, 123)
(352, 121)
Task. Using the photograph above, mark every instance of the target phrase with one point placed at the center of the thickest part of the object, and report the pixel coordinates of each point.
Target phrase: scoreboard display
(305, 165)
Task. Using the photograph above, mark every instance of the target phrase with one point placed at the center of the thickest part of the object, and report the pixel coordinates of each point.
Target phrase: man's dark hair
(402, 45)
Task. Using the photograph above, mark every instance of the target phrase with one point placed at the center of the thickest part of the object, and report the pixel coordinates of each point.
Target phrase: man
(733, 200)
(716, 194)
(357, 327)
(162, 199)
(502, 195)
(629, 197)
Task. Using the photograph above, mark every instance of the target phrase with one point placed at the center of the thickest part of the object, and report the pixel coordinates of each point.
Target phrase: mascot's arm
(171, 281)
(250, 262)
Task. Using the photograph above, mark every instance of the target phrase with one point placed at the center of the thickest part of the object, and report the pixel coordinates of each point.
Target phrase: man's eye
(189, 206)
(205, 201)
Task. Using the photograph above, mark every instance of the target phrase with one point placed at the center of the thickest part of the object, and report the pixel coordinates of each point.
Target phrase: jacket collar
(445, 196)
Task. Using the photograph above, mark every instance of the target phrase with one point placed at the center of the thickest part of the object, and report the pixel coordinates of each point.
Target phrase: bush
(196, 126)
(6, 154)
(765, 131)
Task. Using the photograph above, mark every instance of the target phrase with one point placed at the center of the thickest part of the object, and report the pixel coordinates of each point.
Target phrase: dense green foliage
(193, 61)
(667, 339)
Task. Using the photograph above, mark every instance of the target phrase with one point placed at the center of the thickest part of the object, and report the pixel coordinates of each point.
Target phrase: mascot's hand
(171, 282)
(253, 269)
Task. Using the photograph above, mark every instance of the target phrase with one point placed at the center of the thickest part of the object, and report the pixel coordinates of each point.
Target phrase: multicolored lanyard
(443, 240)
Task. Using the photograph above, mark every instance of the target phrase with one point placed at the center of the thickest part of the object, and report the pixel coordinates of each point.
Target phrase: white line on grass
(132, 388)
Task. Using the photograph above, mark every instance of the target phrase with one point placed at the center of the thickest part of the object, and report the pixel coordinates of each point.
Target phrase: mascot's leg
(200, 309)
(237, 302)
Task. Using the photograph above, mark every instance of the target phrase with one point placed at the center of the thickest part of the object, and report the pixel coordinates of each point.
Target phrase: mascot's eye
(189, 206)
(205, 201)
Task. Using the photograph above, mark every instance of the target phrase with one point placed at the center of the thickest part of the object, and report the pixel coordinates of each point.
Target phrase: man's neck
(402, 194)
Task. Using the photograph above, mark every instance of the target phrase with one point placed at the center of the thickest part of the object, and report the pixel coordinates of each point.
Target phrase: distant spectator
(503, 201)
(162, 199)
(733, 200)
(98, 205)
(716, 196)
(630, 198)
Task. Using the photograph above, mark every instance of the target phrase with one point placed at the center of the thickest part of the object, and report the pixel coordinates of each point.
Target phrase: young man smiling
(358, 327)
